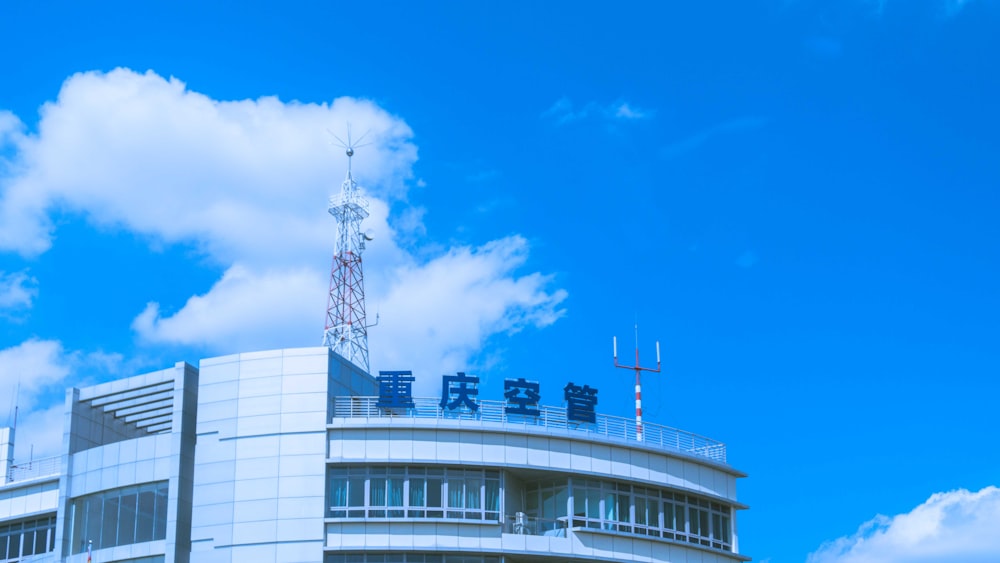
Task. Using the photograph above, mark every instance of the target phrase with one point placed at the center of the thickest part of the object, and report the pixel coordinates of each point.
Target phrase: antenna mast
(346, 332)
(638, 386)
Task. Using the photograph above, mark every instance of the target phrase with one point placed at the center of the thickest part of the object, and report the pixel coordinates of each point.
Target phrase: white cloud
(17, 289)
(625, 111)
(952, 526)
(143, 152)
(39, 433)
(11, 128)
(33, 379)
(440, 313)
(35, 365)
(247, 182)
(229, 315)
(563, 111)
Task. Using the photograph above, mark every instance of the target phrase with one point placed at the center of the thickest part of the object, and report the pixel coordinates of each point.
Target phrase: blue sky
(798, 199)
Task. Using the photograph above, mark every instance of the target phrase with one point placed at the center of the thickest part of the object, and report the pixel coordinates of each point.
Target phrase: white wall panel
(352, 444)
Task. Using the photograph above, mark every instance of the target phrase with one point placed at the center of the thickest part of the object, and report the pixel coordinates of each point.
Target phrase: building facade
(295, 456)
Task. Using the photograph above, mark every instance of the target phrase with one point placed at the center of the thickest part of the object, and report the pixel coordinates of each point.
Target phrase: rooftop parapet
(549, 418)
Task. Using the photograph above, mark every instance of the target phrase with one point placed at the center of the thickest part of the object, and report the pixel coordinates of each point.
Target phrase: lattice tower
(346, 330)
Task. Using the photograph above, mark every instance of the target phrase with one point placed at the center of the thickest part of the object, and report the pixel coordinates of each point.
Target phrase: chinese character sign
(580, 402)
(459, 389)
(395, 390)
(522, 396)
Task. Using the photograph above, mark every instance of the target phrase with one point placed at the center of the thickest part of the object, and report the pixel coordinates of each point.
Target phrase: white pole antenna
(638, 385)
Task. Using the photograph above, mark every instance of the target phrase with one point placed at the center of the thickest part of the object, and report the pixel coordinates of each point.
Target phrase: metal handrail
(43, 467)
(494, 412)
(524, 525)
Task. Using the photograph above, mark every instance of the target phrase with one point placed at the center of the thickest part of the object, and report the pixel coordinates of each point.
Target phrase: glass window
(26, 537)
(42, 541)
(14, 545)
(395, 495)
(376, 496)
(641, 514)
(109, 528)
(434, 496)
(414, 492)
(693, 520)
(160, 515)
(417, 497)
(117, 517)
(93, 505)
(144, 523)
(28, 541)
(493, 499)
(456, 496)
(126, 519)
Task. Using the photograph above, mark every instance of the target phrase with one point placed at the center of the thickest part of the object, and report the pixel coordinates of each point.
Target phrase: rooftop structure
(287, 456)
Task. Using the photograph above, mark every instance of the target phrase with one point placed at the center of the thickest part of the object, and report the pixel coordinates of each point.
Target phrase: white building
(285, 456)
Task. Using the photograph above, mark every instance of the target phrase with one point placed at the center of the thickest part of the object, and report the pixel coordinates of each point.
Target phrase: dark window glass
(144, 521)
(434, 497)
(109, 531)
(45, 529)
(160, 515)
(126, 518)
(92, 533)
(14, 545)
(28, 542)
(356, 492)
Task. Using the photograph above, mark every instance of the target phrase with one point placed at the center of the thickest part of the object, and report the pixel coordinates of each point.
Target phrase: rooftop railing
(653, 435)
(43, 467)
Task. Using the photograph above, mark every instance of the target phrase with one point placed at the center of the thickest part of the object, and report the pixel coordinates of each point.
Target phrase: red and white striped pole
(638, 383)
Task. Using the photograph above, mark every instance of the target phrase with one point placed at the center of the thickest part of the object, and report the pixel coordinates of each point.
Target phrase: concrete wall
(260, 462)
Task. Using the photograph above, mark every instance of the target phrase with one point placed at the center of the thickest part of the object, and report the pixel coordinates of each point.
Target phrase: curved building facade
(298, 456)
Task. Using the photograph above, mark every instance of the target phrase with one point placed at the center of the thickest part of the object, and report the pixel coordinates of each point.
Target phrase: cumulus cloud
(246, 182)
(445, 310)
(11, 128)
(146, 153)
(229, 314)
(34, 366)
(17, 290)
(37, 366)
(952, 526)
(30, 371)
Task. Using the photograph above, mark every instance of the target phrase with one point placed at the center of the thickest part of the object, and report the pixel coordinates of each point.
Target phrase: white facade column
(6, 452)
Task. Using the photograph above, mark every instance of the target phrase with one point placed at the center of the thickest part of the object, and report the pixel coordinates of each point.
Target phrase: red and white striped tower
(346, 332)
(638, 385)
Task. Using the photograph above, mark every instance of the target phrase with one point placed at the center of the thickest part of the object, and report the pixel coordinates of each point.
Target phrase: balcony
(44, 467)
